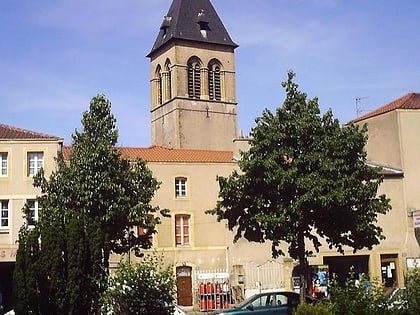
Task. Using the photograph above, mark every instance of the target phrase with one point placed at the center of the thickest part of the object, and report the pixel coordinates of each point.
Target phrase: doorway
(389, 264)
(184, 286)
(6, 282)
(347, 267)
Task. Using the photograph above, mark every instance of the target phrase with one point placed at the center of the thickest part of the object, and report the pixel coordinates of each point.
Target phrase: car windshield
(245, 302)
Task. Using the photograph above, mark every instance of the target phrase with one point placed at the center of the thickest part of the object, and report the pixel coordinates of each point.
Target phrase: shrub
(314, 309)
(362, 297)
(412, 291)
(366, 297)
(143, 288)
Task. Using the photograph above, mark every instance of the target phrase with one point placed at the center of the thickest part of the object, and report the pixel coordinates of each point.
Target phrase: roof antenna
(358, 108)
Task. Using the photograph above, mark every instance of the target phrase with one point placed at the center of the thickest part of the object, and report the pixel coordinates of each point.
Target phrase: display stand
(214, 295)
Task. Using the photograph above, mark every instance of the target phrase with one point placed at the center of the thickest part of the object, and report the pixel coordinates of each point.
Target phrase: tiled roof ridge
(410, 100)
(15, 133)
(162, 147)
(156, 153)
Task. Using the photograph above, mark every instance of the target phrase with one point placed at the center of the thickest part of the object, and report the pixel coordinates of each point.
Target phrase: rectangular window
(4, 214)
(182, 230)
(3, 164)
(34, 208)
(35, 162)
(180, 187)
(143, 231)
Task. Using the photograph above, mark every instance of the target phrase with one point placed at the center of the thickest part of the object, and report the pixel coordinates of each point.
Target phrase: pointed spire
(193, 20)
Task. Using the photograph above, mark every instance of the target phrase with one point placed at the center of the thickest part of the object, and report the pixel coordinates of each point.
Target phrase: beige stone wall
(179, 56)
(17, 187)
(182, 122)
(393, 141)
(212, 246)
(208, 237)
(384, 139)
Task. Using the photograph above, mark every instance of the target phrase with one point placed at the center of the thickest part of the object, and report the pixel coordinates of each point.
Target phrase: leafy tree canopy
(89, 206)
(303, 177)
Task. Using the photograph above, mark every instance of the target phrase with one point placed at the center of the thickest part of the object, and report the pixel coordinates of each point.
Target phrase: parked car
(279, 302)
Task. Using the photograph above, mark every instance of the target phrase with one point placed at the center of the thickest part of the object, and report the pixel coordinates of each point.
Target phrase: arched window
(194, 78)
(215, 92)
(158, 85)
(168, 80)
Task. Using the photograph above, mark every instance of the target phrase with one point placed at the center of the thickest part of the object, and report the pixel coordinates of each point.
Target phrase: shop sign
(8, 253)
(413, 262)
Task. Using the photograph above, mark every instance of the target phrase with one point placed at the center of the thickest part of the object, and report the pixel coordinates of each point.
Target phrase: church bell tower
(193, 89)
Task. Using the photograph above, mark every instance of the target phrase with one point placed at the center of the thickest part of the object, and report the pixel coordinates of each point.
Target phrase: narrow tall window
(144, 231)
(194, 79)
(35, 162)
(3, 164)
(214, 82)
(159, 85)
(34, 209)
(182, 229)
(180, 187)
(4, 213)
(160, 96)
(168, 80)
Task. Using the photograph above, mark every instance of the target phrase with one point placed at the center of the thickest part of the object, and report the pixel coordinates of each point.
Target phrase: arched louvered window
(215, 92)
(168, 80)
(194, 78)
(158, 85)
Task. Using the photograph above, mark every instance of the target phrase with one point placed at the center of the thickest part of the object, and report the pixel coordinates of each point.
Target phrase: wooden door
(184, 286)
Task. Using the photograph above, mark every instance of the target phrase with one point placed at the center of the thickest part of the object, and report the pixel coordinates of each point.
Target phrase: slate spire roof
(13, 133)
(192, 20)
(408, 101)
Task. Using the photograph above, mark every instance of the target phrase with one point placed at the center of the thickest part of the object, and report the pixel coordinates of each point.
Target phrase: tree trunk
(303, 266)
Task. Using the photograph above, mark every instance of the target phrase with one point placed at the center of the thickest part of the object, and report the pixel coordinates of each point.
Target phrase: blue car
(279, 302)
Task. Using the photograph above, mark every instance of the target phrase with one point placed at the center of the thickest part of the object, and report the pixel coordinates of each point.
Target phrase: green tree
(412, 291)
(304, 177)
(144, 288)
(89, 206)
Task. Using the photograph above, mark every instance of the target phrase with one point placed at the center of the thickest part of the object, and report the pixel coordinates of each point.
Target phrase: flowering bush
(143, 288)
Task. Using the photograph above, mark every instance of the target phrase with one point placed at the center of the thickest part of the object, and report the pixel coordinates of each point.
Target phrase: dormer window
(165, 24)
(203, 23)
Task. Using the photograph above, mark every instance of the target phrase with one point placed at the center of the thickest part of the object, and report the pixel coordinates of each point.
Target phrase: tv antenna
(358, 108)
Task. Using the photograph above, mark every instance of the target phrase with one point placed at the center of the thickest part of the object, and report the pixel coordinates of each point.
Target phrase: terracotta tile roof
(163, 154)
(14, 133)
(408, 101)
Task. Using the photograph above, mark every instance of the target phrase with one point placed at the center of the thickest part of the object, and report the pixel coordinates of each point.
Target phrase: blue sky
(55, 55)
